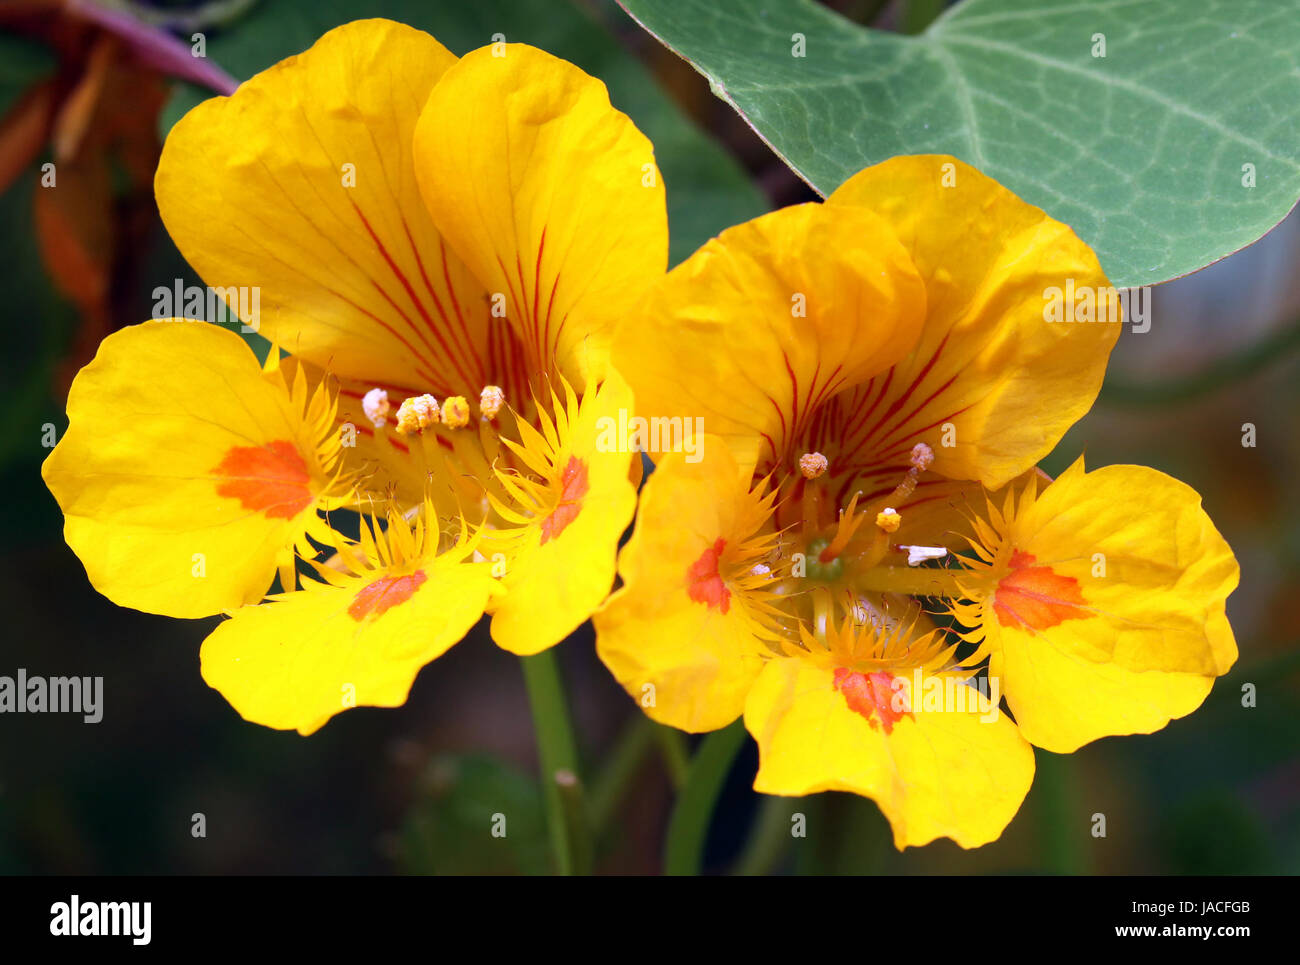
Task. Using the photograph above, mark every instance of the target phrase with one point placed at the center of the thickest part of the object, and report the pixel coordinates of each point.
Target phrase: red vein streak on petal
(460, 316)
(433, 329)
(907, 393)
(464, 344)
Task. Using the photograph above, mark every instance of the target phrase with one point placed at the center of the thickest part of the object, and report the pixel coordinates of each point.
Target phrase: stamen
(921, 459)
(889, 519)
(813, 464)
(849, 521)
(455, 412)
(490, 401)
(417, 413)
(375, 406)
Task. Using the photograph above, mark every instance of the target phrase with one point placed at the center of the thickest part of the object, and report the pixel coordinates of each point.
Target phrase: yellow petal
(677, 635)
(943, 773)
(186, 473)
(1062, 700)
(301, 184)
(765, 323)
(561, 566)
(1008, 382)
(1118, 565)
(1114, 622)
(550, 196)
(299, 659)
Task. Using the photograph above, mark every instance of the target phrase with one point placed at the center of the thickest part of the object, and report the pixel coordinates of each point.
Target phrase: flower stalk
(557, 751)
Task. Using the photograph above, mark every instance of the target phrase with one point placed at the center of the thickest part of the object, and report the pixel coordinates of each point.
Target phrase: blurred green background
(411, 789)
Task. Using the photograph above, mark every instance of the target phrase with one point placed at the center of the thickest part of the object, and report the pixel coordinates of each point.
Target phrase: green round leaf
(1174, 149)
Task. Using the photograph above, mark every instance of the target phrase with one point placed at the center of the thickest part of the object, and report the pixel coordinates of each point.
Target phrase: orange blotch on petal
(385, 593)
(573, 486)
(879, 697)
(704, 582)
(1036, 597)
(271, 479)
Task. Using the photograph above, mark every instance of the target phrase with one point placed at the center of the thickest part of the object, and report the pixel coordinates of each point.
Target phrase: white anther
(922, 456)
(490, 401)
(375, 406)
(813, 464)
(916, 555)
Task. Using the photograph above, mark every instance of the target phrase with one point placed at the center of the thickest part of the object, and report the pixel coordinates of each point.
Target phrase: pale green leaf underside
(1142, 152)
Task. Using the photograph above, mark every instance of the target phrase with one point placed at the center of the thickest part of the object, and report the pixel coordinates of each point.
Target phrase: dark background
(392, 790)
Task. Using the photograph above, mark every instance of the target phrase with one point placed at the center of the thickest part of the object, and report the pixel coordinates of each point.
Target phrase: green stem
(1062, 826)
(689, 825)
(676, 755)
(769, 838)
(557, 753)
(622, 764)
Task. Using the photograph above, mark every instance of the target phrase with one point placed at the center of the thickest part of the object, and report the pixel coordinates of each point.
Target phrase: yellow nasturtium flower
(879, 375)
(443, 246)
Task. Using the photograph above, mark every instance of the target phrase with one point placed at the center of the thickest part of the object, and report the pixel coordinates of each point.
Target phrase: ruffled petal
(301, 186)
(1108, 611)
(559, 562)
(187, 473)
(548, 194)
(679, 635)
(294, 662)
(765, 323)
(1119, 565)
(960, 774)
(988, 363)
(1062, 701)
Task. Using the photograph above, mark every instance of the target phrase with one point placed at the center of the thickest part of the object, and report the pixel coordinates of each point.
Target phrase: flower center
(823, 572)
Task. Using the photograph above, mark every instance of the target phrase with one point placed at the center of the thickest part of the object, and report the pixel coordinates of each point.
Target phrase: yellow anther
(375, 406)
(889, 519)
(490, 401)
(455, 412)
(417, 413)
(812, 464)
